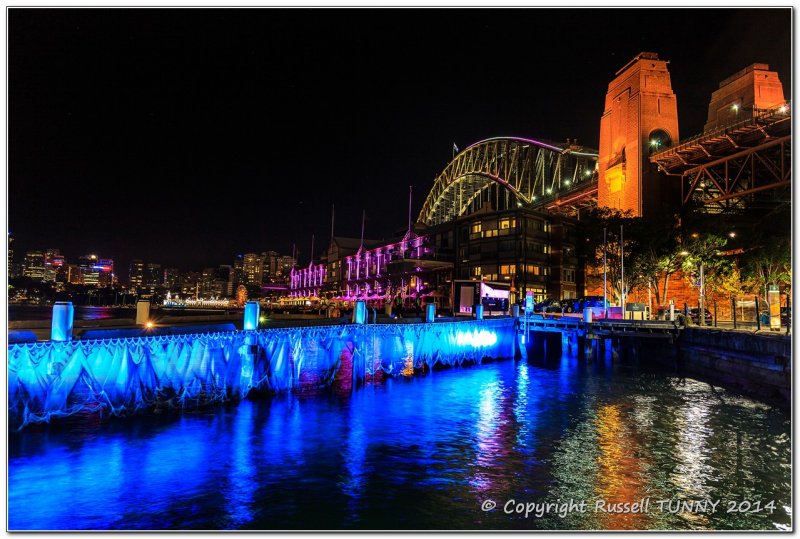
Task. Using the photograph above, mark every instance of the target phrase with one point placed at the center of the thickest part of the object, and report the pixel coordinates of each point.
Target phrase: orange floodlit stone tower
(747, 91)
(640, 117)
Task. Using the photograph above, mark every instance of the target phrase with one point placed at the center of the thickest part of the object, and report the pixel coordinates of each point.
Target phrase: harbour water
(430, 451)
(86, 312)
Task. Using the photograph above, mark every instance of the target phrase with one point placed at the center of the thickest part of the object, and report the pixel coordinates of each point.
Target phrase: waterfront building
(105, 272)
(207, 278)
(90, 275)
(283, 269)
(34, 265)
(190, 283)
(153, 276)
(171, 277)
(53, 261)
(74, 274)
(528, 249)
(253, 268)
(11, 256)
(270, 266)
(17, 269)
(222, 281)
(136, 274)
(335, 277)
(237, 275)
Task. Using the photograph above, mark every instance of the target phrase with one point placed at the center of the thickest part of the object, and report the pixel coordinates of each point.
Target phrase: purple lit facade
(405, 268)
(307, 282)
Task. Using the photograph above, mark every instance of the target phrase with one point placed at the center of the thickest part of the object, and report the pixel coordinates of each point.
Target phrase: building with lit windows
(74, 274)
(526, 249)
(34, 265)
(533, 251)
(153, 276)
(10, 255)
(253, 268)
(171, 277)
(89, 274)
(53, 262)
(105, 271)
(136, 274)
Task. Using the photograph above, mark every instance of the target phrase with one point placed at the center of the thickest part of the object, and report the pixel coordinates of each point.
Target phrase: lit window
(476, 228)
(508, 269)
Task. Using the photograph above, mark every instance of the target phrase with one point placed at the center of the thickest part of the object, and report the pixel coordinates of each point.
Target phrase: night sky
(188, 136)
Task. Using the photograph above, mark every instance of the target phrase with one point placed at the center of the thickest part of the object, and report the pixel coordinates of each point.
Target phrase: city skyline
(145, 134)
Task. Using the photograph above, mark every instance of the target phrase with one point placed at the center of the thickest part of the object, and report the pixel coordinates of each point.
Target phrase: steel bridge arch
(530, 171)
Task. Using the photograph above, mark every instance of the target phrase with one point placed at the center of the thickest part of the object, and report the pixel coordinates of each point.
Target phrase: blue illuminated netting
(118, 376)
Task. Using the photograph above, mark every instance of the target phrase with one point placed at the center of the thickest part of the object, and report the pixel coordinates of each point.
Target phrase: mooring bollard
(430, 313)
(142, 312)
(587, 314)
(63, 315)
(360, 312)
(252, 310)
(478, 312)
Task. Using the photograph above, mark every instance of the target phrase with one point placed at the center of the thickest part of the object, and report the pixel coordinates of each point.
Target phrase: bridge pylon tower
(640, 118)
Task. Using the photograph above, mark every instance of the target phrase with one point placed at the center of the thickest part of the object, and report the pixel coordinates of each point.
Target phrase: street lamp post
(622, 268)
(702, 314)
(605, 277)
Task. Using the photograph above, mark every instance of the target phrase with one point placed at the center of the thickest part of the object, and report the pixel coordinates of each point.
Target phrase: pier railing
(121, 376)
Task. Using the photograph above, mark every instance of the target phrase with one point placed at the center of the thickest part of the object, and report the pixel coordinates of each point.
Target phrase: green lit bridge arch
(506, 172)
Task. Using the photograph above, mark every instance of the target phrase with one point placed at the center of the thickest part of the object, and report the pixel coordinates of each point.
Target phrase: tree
(647, 243)
(703, 253)
(769, 264)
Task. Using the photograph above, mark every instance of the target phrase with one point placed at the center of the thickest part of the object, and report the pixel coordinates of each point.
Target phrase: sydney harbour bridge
(512, 172)
(741, 161)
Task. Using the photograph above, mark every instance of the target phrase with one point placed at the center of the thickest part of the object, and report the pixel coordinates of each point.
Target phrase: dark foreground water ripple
(429, 452)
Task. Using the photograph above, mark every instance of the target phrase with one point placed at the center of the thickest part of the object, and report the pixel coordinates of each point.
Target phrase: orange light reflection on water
(619, 473)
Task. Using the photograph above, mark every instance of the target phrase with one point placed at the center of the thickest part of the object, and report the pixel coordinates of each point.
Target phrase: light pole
(605, 277)
(702, 314)
(622, 269)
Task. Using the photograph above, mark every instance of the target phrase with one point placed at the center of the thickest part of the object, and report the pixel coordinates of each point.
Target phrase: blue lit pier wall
(122, 376)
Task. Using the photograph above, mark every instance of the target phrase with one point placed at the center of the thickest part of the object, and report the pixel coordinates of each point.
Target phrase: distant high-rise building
(270, 266)
(10, 255)
(152, 275)
(136, 274)
(34, 265)
(237, 275)
(53, 261)
(190, 284)
(284, 268)
(223, 281)
(207, 281)
(171, 277)
(90, 274)
(74, 274)
(253, 267)
(105, 272)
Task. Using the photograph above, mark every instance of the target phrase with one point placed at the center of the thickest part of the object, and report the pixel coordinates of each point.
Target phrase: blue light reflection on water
(412, 453)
